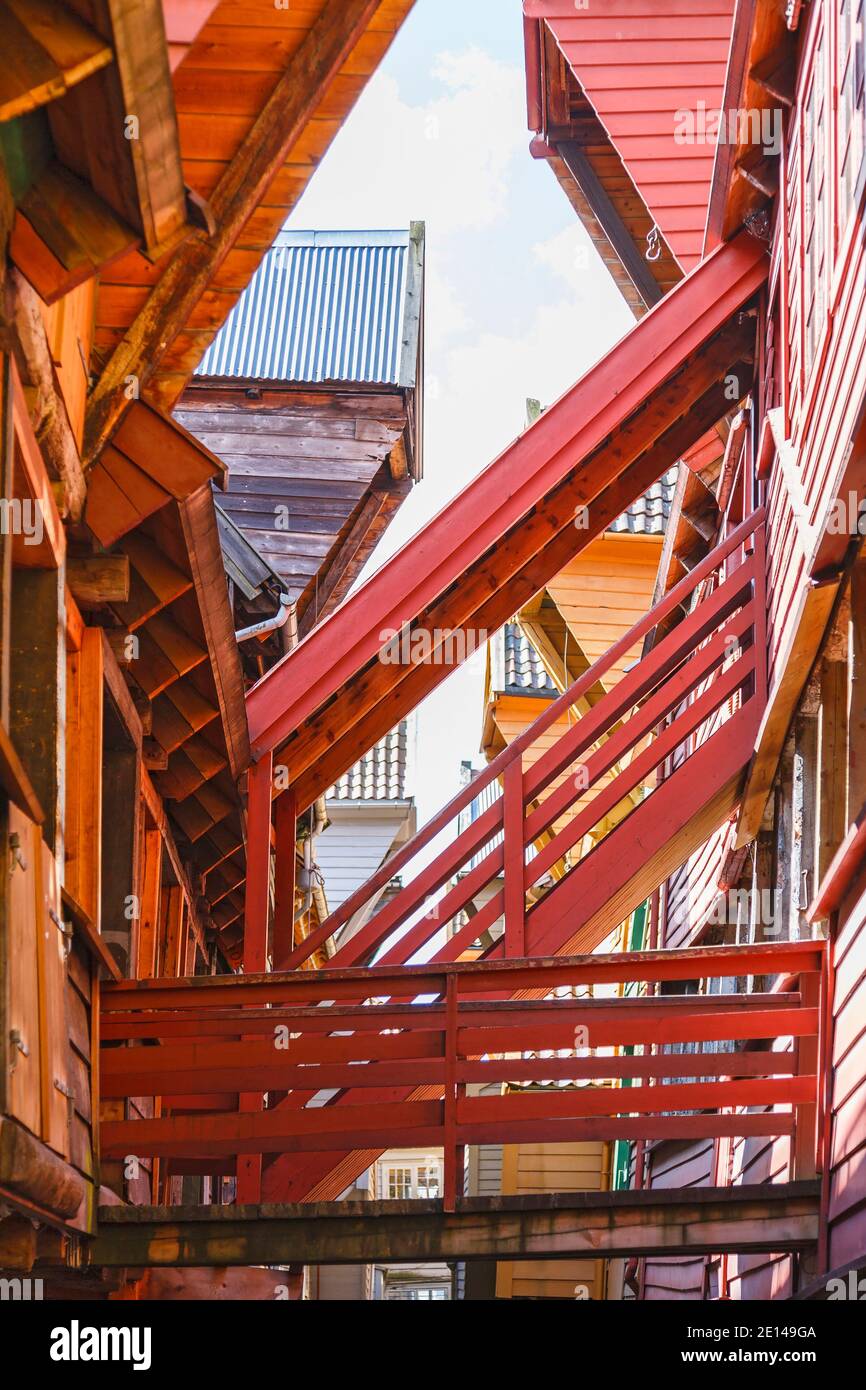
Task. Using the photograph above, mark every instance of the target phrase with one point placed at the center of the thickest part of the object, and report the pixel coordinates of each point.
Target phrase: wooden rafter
(240, 190)
(53, 52)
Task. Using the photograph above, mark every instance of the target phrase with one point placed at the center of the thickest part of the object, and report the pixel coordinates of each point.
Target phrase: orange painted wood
(83, 823)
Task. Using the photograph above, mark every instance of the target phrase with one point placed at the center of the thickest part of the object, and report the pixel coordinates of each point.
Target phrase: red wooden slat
(586, 1101)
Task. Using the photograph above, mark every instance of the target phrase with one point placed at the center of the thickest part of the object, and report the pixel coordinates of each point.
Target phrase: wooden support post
(83, 827)
(258, 885)
(37, 690)
(259, 789)
(453, 1153)
(857, 688)
(514, 860)
(151, 881)
(285, 823)
(171, 928)
(833, 769)
(7, 486)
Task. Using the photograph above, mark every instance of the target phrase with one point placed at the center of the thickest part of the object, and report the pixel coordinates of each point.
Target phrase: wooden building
(312, 395)
(148, 157)
(787, 852)
(152, 887)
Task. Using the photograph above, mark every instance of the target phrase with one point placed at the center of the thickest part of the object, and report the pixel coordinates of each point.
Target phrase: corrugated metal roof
(380, 775)
(322, 306)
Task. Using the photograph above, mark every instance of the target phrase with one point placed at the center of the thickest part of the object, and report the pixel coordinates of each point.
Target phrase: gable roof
(638, 64)
(327, 307)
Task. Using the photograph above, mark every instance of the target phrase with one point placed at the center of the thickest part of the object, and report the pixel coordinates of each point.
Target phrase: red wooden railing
(673, 700)
(430, 1031)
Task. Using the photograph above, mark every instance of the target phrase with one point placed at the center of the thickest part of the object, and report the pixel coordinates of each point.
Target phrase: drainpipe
(278, 620)
(310, 878)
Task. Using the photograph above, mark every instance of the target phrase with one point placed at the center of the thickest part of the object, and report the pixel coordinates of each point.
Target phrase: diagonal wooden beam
(241, 189)
(374, 707)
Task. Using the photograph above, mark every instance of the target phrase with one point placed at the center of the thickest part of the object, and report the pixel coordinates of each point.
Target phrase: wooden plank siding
(221, 83)
(301, 476)
(824, 382)
(847, 1198)
(574, 1167)
(603, 592)
(678, 1166)
(639, 66)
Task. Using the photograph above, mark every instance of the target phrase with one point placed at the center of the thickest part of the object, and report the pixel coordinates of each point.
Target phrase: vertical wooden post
(857, 689)
(514, 861)
(83, 824)
(833, 766)
(450, 1146)
(285, 826)
(7, 486)
(259, 792)
(151, 885)
(804, 1153)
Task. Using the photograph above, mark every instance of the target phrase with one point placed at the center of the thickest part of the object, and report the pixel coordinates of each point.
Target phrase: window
(428, 1182)
(399, 1183)
(412, 1180)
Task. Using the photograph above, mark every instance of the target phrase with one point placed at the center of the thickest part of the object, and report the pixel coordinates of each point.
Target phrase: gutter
(278, 620)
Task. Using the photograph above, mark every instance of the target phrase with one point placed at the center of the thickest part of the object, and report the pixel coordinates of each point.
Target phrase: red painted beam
(209, 1084)
(476, 977)
(506, 491)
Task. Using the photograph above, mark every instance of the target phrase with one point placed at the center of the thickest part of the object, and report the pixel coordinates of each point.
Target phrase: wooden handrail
(466, 845)
(392, 1054)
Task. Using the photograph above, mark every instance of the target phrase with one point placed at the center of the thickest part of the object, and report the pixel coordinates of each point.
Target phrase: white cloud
(517, 302)
(445, 160)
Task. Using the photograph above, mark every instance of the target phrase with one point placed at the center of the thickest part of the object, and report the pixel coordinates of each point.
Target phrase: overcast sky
(517, 303)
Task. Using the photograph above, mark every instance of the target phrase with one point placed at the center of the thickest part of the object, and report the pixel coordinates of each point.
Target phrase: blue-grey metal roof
(525, 673)
(327, 307)
(649, 515)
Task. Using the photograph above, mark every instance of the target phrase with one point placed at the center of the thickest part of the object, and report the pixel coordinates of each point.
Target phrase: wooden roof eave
(151, 461)
(93, 69)
(576, 147)
(758, 79)
(260, 156)
(198, 518)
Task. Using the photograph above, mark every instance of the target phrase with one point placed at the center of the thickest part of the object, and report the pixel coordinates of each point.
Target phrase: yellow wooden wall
(528, 1168)
(603, 591)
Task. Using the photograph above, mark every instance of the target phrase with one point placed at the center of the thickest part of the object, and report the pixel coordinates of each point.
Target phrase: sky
(517, 303)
